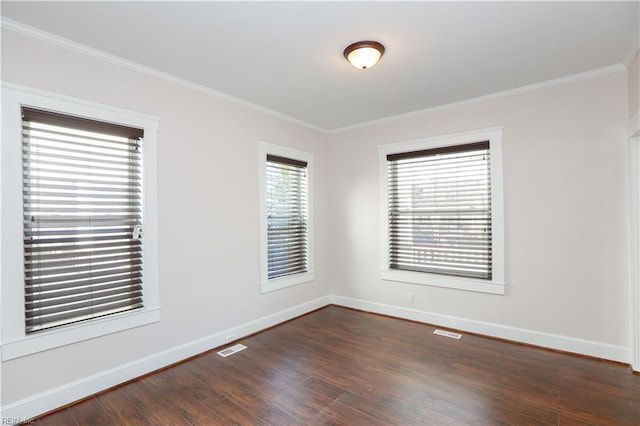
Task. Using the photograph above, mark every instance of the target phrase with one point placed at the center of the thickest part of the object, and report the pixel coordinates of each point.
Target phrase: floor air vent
(448, 334)
(231, 350)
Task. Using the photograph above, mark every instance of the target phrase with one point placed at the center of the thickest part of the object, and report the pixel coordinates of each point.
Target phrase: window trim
(267, 285)
(497, 284)
(15, 342)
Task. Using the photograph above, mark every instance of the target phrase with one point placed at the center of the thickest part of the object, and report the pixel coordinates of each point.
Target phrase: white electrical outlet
(409, 297)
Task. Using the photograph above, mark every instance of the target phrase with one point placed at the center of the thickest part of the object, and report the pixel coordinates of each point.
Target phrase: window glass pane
(82, 198)
(440, 211)
(287, 219)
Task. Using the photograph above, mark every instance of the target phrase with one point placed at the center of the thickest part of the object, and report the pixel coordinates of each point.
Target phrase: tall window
(286, 216)
(440, 210)
(286, 223)
(82, 200)
(79, 246)
(443, 220)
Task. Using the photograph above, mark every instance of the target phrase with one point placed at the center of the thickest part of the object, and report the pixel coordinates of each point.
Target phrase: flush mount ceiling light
(364, 54)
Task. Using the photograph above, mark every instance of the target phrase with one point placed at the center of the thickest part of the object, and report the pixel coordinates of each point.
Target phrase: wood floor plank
(183, 399)
(60, 418)
(123, 409)
(152, 405)
(345, 414)
(338, 366)
(592, 419)
(538, 412)
(591, 403)
(90, 412)
(241, 390)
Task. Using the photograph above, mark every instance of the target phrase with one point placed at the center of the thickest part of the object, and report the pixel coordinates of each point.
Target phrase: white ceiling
(287, 56)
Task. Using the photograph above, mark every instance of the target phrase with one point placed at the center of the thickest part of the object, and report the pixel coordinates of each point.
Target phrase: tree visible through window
(287, 216)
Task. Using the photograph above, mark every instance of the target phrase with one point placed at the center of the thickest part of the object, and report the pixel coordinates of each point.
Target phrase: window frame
(15, 341)
(268, 285)
(496, 285)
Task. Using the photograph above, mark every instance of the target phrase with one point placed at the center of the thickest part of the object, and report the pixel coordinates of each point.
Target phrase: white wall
(566, 208)
(208, 212)
(633, 77)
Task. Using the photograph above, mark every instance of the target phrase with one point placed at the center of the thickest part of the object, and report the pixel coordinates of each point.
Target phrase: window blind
(82, 203)
(440, 211)
(287, 219)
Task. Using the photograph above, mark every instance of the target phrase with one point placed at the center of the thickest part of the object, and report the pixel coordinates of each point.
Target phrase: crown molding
(524, 89)
(46, 37)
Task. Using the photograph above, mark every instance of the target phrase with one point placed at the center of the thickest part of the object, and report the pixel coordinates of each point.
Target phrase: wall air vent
(448, 334)
(231, 350)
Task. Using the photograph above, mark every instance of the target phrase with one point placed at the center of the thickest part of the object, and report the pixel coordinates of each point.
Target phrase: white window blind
(440, 211)
(287, 218)
(82, 198)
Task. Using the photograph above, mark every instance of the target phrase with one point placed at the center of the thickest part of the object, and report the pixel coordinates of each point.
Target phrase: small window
(286, 217)
(287, 243)
(443, 212)
(82, 200)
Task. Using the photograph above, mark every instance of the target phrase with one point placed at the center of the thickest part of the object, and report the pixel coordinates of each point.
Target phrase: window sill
(66, 335)
(459, 283)
(284, 282)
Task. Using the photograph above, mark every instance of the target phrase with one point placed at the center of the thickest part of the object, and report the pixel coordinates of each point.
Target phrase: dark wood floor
(339, 366)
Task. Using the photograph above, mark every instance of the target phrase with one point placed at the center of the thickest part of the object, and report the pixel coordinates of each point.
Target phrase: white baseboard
(546, 340)
(49, 400)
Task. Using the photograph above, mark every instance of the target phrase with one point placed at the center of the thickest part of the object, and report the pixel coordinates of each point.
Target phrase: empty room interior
(320, 212)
